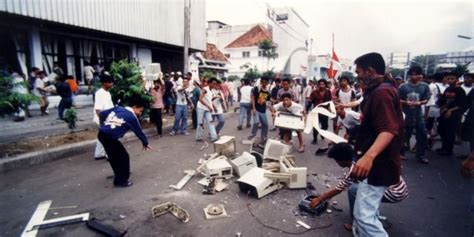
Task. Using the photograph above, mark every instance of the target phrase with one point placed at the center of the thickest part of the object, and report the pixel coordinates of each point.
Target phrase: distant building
(38, 33)
(319, 65)
(461, 57)
(239, 43)
(212, 60)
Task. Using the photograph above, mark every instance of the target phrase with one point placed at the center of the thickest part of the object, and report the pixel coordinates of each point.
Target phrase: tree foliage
(268, 49)
(70, 116)
(128, 83)
(269, 73)
(252, 73)
(208, 74)
(11, 99)
(233, 78)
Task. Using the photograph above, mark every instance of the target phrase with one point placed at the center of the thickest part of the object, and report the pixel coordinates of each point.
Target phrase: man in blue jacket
(114, 123)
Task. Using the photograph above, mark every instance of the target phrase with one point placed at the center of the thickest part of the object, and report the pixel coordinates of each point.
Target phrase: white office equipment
(218, 168)
(225, 146)
(275, 150)
(289, 121)
(254, 183)
(243, 163)
(297, 174)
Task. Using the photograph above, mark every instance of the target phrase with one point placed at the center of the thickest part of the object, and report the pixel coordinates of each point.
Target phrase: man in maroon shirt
(318, 96)
(378, 143)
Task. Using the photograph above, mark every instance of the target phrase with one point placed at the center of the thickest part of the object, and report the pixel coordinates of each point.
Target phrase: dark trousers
(194, 117)
(156, 118)
(420, 135)
(118, 157)
(65, 103)
(447, 131)
(323, 120)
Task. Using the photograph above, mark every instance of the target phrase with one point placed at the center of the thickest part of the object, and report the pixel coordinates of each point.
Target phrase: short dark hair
(137, 101)
(341, 152)
(277, 79)
(213, 79)
(286, 95)
(264, 78)
(417, 70)
(104, 78)
(345, 78)
(41, 72)
(287, 80)
(34, 69)
(451, 73)
(246, 82)
(323, 80)
(373, 60)
(70, 77)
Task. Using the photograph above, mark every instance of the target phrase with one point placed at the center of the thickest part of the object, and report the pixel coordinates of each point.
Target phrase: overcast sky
(413, 26)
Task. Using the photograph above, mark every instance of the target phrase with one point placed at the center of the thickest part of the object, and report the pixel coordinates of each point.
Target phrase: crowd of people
(379, 115)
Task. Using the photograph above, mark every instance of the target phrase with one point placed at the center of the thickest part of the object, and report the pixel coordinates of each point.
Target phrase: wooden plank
(37, 217)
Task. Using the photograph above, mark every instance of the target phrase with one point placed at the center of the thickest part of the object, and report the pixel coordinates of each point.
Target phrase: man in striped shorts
(342, 153)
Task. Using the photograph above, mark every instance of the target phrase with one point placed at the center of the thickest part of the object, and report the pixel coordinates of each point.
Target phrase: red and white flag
(334, 62)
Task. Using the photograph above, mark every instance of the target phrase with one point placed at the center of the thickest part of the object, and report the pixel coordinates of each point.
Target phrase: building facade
(72, 32)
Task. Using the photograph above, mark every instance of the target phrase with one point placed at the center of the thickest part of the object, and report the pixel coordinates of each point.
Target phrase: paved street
(437, 206)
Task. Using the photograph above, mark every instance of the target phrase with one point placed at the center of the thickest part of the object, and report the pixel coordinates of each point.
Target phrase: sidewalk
(42, 126)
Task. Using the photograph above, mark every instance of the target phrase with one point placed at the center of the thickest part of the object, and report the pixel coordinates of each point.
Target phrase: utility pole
(406, 67)
(426, 64)
(187, 28)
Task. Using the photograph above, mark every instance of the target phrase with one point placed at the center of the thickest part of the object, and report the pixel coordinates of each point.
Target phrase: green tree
(11, 100)
(208, 74)
(128, 83)
(269, 73)
(233, 78)
(426, 62)
(251, 73)
(268, 49)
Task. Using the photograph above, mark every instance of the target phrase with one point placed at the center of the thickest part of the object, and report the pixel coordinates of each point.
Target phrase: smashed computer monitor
(275, 150)
(304, 205)
(225, 146)
(255, 184)
(298, 175)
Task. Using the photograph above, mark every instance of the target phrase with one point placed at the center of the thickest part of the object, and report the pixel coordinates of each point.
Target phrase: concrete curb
(60, 152)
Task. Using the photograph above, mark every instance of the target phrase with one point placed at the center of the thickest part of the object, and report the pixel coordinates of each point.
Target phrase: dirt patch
(9, 149)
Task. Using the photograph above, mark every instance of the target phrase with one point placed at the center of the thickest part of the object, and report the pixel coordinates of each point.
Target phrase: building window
(227, 55)
(246, 54)
(260, 53)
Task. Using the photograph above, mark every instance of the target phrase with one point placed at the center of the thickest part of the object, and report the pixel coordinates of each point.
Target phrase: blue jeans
(220, 122)
(181, 119)
(366, 206)
(244, 107)
(421, 138)
(201, 116)
(262, 117)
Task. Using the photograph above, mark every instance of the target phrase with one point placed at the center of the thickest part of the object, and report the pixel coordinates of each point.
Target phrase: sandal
(301, 150)
(348, 227)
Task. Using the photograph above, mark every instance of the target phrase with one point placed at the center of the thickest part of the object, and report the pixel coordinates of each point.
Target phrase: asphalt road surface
(437, 205)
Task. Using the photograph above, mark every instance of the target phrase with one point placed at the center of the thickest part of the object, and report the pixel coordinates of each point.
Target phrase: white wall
(155, 20)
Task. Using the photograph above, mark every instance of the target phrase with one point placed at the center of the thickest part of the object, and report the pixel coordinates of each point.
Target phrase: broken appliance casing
(289, 121)
(218, 168)
(304, 205)
(275, 150)
(254, 183)
(298, 175)
(226, 146)
(243, 163)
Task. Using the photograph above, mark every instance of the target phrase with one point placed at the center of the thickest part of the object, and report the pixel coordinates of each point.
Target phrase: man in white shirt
(307, 94)
(88, 75)
(183, 93)
(467, 85)
(231, 87)
(289, 106)
(204, 110)
(297, 89)
(103, 101)
(245, 99)
(219, 102)
(348, 119)
(42, 92)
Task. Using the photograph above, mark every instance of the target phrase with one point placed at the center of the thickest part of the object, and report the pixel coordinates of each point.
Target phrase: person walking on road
(157, 105)
(245, 99)
(114, 123)
(260, 102)
(204, 110)
(103, 101)
(183, 94)
(64, 91)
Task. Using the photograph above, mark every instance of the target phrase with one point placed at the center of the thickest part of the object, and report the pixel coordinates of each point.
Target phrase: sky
(385, 26)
